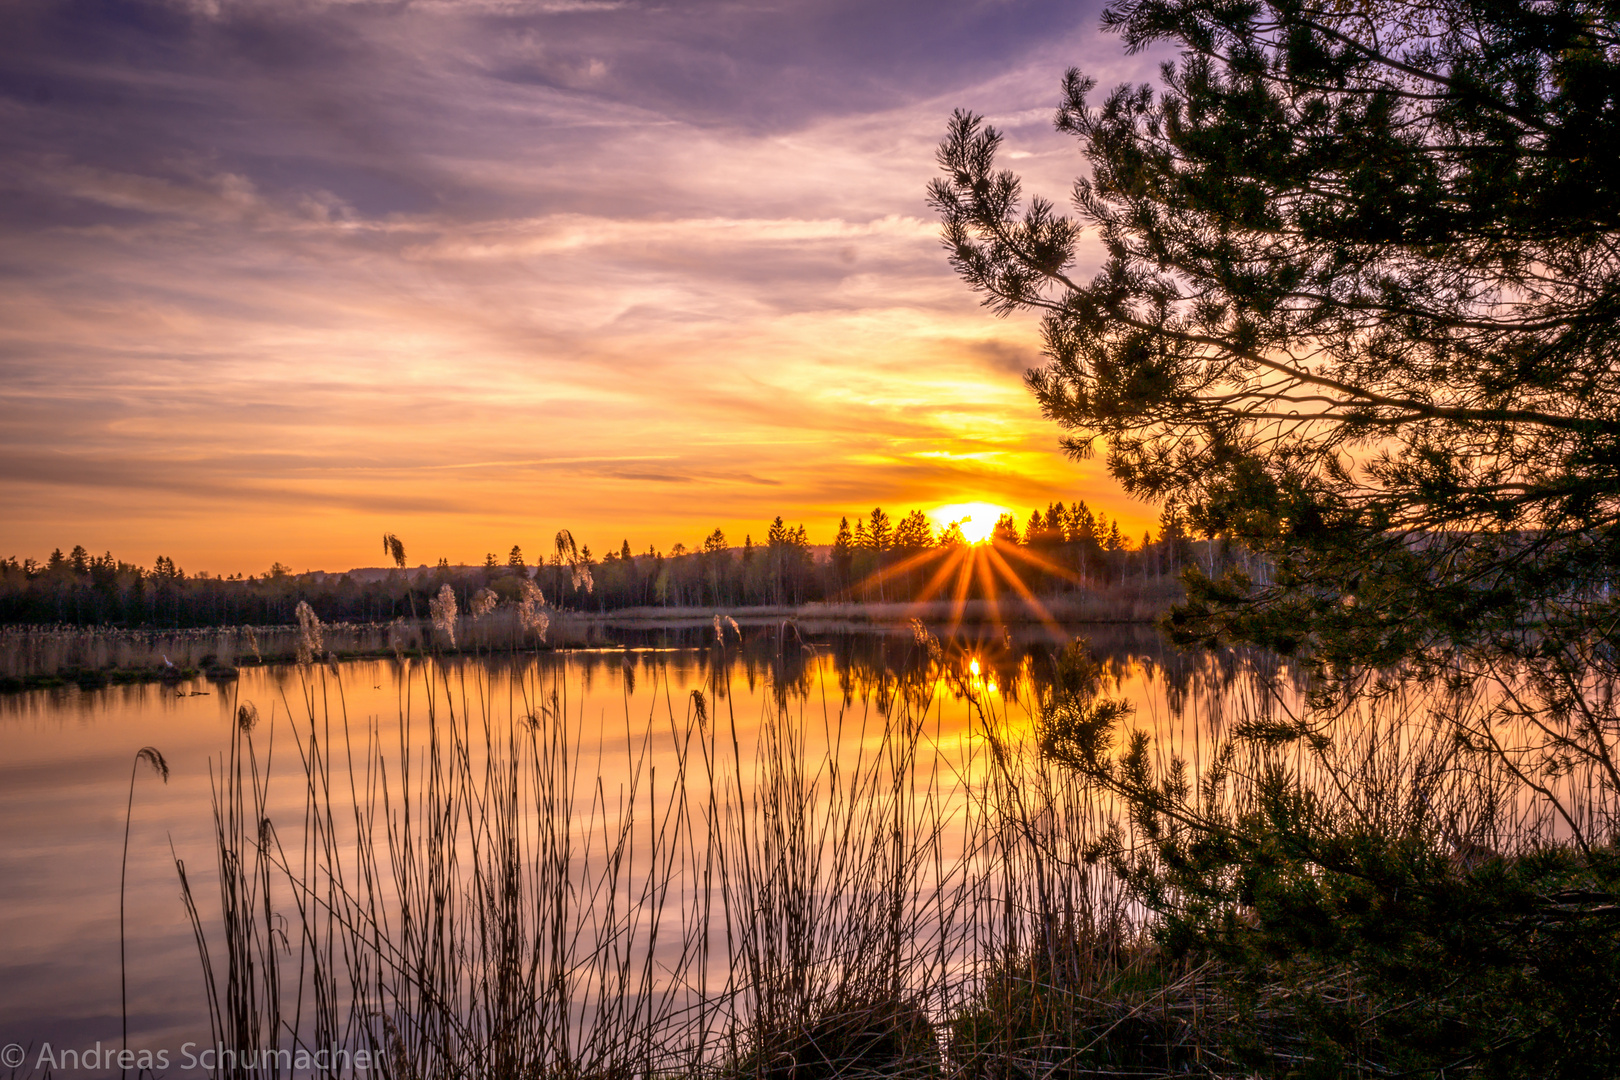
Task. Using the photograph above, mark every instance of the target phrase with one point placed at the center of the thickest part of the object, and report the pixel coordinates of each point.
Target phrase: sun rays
(957, 571)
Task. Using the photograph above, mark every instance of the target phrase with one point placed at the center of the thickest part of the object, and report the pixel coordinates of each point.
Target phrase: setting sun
(976, 519)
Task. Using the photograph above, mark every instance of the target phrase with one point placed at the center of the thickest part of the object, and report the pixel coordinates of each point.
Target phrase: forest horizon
(1068, 553)
(876, 533)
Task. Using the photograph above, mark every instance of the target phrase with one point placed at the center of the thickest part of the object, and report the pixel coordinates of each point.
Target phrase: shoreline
(1012, 611)
(93, 657)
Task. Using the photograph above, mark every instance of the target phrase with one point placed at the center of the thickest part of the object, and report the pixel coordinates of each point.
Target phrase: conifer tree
(1053, 526)
(1005, 530)
(843, 552)
(1355, 313)
(879, 531)
(914, 533)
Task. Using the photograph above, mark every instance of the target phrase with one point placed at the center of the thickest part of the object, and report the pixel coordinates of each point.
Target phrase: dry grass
(831, 888)
(94, 655)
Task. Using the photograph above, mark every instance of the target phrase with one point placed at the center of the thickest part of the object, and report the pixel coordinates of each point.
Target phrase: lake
(67, 757)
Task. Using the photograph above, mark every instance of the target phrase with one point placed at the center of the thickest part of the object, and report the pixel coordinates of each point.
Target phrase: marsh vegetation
(928, 874)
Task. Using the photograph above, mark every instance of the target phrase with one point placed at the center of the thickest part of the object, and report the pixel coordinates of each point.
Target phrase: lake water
(67, 756)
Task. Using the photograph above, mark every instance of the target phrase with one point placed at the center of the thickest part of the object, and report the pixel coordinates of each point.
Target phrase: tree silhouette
(914, 533)
(1005, 530)
(843, 554)
(1356, 312)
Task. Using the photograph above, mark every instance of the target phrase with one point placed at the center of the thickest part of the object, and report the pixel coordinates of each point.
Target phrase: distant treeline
(1064, 549)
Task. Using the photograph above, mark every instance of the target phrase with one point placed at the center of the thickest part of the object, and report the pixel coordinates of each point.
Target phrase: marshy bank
(791, 848)
(65, 761)
(1064, 553)
(94, 656)
(887, 856)
(925, 873)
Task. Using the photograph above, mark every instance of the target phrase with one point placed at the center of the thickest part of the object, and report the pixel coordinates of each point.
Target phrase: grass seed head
(152, 757)
(443, 607)
(531, 613)
(310, 638)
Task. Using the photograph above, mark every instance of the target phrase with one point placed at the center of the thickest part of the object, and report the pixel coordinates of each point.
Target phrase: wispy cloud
(478, 270)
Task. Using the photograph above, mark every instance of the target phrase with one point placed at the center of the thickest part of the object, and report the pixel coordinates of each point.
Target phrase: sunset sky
(281, 276)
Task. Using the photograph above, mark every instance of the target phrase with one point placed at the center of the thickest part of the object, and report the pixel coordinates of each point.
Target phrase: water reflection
(65, 768)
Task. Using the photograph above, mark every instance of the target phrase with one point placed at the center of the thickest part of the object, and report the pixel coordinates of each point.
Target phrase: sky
(283, 275)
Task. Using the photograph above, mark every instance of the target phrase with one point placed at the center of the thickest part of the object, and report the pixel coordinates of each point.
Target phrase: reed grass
(94, 655)
(837, 887)
(151, 757)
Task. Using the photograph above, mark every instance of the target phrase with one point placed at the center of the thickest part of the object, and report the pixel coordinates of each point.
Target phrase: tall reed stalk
(855, 886)
(150, 756)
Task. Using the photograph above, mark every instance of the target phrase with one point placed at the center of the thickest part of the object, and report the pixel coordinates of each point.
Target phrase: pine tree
(1082, 533)
(1355, 317)
(843, 553)
(879, 531)
(914, 533)
(1053, 527)
(1355, 314)
(777, 536)
(1173, 535)
(1005, 530)
(843, 540)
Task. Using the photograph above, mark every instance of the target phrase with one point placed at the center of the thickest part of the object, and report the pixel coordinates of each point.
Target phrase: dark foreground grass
(844, 888)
